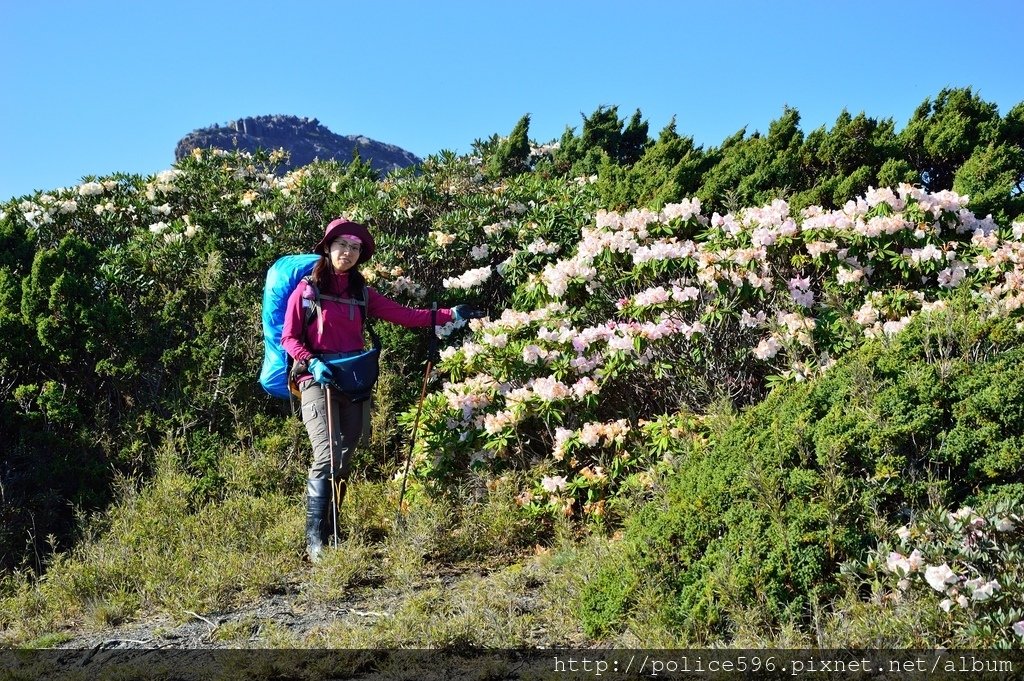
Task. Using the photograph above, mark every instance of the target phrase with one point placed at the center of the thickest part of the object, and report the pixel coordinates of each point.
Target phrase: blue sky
(89, 88)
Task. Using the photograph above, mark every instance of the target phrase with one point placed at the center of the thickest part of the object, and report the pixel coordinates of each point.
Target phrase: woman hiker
(336, 328)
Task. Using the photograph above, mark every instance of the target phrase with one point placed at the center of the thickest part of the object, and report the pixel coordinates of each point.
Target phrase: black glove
(463, 313)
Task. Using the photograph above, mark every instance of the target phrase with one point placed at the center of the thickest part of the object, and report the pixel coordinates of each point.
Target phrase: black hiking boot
(318, 526)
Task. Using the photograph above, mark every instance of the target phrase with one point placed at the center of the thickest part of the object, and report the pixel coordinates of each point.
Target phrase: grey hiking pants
(347, 419)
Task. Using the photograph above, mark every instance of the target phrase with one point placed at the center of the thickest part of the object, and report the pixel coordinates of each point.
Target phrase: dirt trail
(289, 615)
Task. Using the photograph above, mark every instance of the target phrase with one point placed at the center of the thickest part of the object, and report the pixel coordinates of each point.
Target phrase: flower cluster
(470, 278)
(969, 559)
(814, 282)
(162, 183)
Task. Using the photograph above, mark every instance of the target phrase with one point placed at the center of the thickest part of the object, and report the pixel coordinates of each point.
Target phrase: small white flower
(1018, 628)
(946, 604)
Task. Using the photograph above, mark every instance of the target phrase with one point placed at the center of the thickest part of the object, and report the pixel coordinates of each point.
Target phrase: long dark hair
(322, 279)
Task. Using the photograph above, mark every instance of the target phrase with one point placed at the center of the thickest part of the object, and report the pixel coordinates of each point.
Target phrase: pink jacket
(342, 325)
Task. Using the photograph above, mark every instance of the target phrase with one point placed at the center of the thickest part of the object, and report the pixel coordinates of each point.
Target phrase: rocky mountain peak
(306, 140)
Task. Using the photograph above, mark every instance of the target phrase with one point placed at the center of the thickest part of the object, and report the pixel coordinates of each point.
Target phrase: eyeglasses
(343, 246)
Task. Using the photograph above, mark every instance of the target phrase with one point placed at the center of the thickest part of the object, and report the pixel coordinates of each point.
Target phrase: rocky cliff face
(304, 138)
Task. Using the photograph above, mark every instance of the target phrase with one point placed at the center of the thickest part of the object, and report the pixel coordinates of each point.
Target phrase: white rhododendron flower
(897, 561)
(983, 592)
(496, 340)
(816, 249)
(543, 247)
(553, 483)
(442, 239)
(767, 348)
(532, 354)
(929, 252)
(469, 279)
(748, 321)
(939, 576)
(845, 275)
(951, 276)
(683, 210)
(891, 328)
(90, 189)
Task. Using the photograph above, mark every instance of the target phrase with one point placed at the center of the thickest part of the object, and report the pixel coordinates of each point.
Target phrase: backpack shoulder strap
(310, 310)
(361, 303)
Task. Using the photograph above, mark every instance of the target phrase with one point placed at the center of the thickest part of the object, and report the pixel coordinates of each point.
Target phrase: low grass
(467, 570)
(165, 551)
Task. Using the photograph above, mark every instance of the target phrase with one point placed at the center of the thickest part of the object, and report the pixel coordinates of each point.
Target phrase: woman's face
(344, 252)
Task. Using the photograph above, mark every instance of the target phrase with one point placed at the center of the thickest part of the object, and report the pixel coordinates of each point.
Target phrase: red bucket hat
(342, 226)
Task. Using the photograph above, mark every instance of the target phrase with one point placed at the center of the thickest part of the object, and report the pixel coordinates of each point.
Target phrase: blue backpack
(282, 278)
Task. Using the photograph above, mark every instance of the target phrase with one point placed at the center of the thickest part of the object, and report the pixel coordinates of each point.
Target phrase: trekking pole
(431, 353)
(334, 484)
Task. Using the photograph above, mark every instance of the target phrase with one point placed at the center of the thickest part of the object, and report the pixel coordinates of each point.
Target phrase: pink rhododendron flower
(803, 298)
(799, 283)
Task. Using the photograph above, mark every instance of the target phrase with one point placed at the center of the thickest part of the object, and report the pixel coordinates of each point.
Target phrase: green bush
(763, 516)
